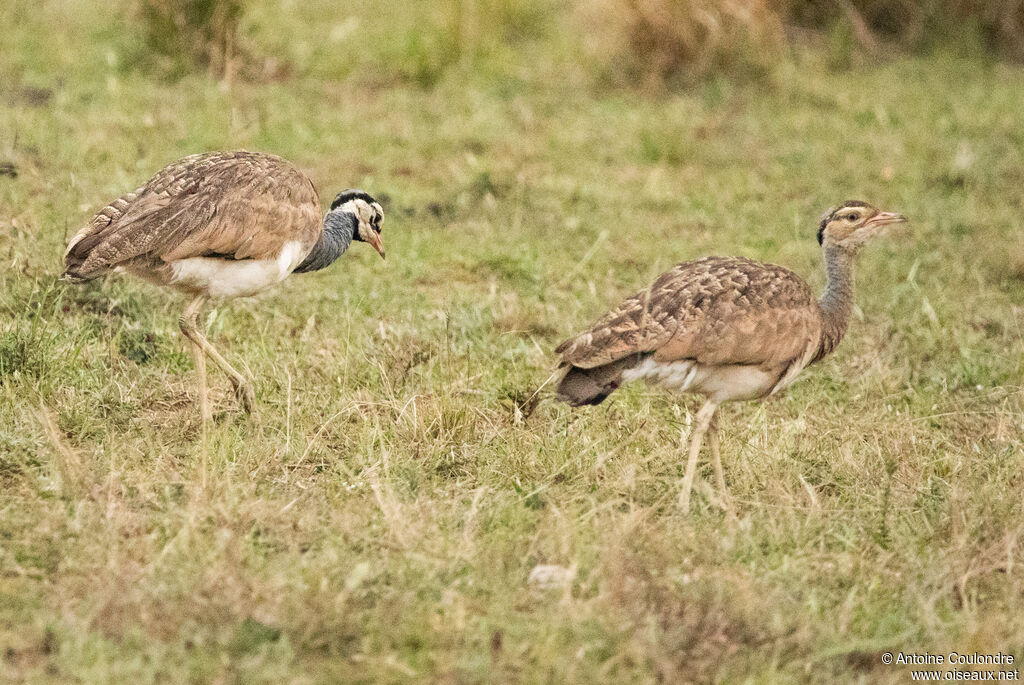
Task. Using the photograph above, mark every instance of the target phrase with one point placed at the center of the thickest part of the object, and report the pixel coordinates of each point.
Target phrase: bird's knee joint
(188, 326)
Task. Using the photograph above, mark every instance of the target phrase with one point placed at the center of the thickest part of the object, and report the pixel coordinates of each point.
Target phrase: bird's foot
(684, 500)
(245, 393)
(719, 497)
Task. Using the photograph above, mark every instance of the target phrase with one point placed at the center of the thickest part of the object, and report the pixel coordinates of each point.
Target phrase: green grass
(379, 519)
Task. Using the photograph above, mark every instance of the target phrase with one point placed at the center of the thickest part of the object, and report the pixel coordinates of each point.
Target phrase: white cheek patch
(363, 213)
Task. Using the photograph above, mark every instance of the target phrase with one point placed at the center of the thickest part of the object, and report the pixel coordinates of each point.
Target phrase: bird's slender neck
(339, 229)
(837, 301)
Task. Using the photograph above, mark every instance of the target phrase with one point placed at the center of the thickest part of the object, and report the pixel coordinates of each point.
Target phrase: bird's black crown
(349, 195)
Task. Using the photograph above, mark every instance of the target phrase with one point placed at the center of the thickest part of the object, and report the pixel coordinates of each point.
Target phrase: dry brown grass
(655, 43)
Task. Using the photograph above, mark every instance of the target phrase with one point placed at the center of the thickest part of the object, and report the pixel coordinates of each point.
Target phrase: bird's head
(368, 213)
(853, 223)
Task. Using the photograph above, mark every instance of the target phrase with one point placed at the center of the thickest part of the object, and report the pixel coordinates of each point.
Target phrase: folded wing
(239, 205)
(714, 311)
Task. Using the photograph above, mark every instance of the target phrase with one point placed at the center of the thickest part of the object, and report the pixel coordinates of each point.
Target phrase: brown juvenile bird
(221, 224)
(727, 328)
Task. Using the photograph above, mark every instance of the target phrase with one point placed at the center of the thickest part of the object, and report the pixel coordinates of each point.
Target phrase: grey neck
(837, 301)
(339, 229)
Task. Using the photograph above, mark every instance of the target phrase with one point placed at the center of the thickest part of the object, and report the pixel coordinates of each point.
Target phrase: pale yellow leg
(716, 460)
(204, 400)
(700, 427)
(190, 327)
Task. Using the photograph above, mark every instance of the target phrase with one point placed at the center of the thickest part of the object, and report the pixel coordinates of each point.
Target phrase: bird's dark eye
(851, 217)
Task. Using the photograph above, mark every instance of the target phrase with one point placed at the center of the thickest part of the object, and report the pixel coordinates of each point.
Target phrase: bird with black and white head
(353, 215)
(219, 225)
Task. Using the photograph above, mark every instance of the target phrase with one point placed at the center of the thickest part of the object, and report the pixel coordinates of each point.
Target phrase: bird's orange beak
(877, 225)
(377, 244)
(886, 218)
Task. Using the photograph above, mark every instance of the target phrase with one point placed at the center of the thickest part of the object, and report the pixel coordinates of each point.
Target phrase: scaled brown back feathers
(715, 310)
(241, 205)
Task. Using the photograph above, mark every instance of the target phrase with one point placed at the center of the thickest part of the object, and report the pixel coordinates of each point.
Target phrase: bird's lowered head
(368, 214)
(853, 223)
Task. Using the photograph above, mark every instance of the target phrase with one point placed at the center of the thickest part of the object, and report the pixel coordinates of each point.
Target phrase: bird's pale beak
(886, 218)
(376, 243)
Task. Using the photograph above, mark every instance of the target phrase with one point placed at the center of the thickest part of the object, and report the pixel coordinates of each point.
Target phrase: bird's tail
(581, 386)
(82, 244)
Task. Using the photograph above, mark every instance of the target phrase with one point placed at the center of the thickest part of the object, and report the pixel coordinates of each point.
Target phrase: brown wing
(716, 310)
(241, 205)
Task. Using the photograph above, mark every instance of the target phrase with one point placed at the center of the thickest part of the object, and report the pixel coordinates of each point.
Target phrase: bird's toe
(246, 395)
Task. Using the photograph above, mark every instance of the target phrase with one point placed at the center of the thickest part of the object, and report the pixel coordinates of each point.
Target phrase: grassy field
(379, 519)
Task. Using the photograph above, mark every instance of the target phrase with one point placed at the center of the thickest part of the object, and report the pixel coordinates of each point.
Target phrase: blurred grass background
(538, 160)
(653, 44)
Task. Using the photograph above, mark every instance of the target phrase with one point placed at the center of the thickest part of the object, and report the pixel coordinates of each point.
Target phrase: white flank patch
(219, 277)
(725, 382)
(291, 256)
(673, 375)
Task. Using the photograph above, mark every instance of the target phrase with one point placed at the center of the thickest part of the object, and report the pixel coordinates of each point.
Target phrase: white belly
(219, 277)
(721, 383)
